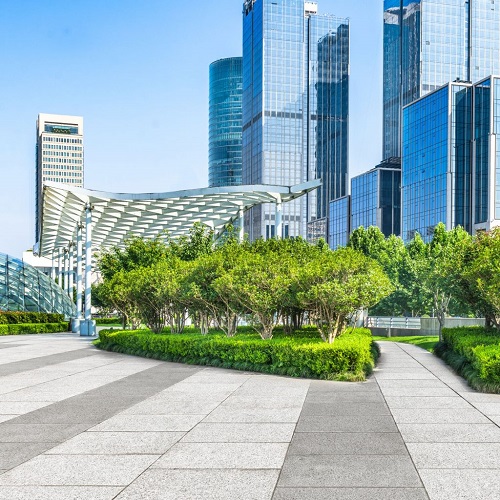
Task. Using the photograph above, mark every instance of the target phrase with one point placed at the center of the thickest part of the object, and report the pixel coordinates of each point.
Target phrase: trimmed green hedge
(17, 317)
(350, 357)
(22, 328)
(474, 352)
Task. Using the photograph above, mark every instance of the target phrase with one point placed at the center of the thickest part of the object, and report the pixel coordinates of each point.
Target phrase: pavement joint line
(447, 385)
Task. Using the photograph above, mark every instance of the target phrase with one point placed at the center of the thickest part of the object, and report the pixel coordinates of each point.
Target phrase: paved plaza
(79, 423)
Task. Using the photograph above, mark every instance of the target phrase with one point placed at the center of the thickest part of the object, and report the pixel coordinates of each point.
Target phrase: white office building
(59, 154)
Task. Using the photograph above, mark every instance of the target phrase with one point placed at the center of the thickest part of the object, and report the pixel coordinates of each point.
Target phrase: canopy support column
(59, 268)
(87, 327)
(66, 271)
(53, 268)
(278, 219)
(71, 270)
(241, 230)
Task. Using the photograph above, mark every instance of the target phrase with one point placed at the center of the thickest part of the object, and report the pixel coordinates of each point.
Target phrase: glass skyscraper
(437, 161)
(224, 141)
(295, 110)
(428, 43)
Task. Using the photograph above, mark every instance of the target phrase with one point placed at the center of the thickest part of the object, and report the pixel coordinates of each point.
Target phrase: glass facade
(25, 288)
(224, 140)
(375, 199)
(428, 43)
(339, 222)
(295, 108)
(436, 166)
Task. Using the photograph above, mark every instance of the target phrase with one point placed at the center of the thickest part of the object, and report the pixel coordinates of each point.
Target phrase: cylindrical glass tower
(225, 122)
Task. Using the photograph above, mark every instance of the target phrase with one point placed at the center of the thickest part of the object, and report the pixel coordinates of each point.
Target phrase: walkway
(78, 423)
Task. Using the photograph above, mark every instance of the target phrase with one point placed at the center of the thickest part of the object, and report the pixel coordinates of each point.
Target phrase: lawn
(425, 342)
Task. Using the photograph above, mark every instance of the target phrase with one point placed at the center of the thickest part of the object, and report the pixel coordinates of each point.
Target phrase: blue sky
(137, 72)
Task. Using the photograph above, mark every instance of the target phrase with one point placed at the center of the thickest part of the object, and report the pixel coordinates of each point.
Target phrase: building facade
(451, 169)
(428, 43)
(295, 110)
(224, 123)
(376, 198)
(339, 222)
(59, 154)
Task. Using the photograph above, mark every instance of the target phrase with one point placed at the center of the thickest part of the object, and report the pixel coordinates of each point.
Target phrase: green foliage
(304, 355)
(25, 328)
(475, 353)
(14, 317)
(108, 321)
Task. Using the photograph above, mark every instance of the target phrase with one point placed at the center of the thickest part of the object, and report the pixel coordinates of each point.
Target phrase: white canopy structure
(110, 218)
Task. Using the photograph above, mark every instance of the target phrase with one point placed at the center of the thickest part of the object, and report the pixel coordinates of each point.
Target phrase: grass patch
(350, 358)
(425, 341)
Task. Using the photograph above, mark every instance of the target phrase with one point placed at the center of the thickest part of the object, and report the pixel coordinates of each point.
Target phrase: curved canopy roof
(116, 216)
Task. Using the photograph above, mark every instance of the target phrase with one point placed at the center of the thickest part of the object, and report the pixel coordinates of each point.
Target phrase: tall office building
(295, 110)
(428, 43)
(59, 154)
(224, 123)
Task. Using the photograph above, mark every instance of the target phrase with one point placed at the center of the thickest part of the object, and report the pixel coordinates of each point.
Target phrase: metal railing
(394, 322)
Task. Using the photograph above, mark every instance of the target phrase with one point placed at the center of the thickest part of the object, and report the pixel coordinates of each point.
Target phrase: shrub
(25, 328)
(474, 352)
(350, 357)
(109, 321)
(25, 317)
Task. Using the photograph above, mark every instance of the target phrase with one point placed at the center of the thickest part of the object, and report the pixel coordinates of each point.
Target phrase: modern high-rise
(224, 123)
(428, 43)
(59, 154)
(295, 110)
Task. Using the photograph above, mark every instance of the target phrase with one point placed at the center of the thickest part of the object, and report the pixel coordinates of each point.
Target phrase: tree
(337, 284)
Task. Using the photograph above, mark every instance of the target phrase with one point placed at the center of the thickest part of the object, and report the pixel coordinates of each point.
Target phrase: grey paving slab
(450, 433)
(226, 432)
(213, 484)
(436, 415)
(13, 454)
(344, 408)
(166, 406)
(416, 392)
(155, 423)
(117, 443)
(407, 375)
(38, 433)
(490, 409)
(442, 484)
(234, 414)
(346, 443)
(396, 384)
(341, 397)
(350, 423)
(480, 397)
(417, 402)
(58, 492)
(20, 407)
(350, 494)
(321, 386)
(455, 455)
(348, 471)
(223, 456)
(78, 470)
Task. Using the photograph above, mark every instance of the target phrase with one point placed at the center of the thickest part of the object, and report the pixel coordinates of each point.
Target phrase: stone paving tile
(450, 433)
(345, 408)
(78, 470)
(455, 455)
(351, 423)
(58, 492)
(340, 443)
(13, 454)
(480, 397)
(213, 484)
(417, 402)
(400, 384)
(350, 494)
(269, 415)
(325, 386)
(223, 456)
(348, 471)
(490, 409)
(155, 423)
(447, 416)
(442, 484)
(240, 433)
(39, 433)
(416, 392)
(165, 406)
(118, 443)
(407, 375)
(20, 407)
(5, 418)
(347, 397)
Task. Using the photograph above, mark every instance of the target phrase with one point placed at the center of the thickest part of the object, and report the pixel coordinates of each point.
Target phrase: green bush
(24, 317)
(474, 352)
(108, 321)
(22, 328)
(350, 357)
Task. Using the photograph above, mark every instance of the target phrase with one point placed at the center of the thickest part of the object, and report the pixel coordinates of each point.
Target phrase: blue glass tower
(428, 43)
(224, 139)
(295, 109)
